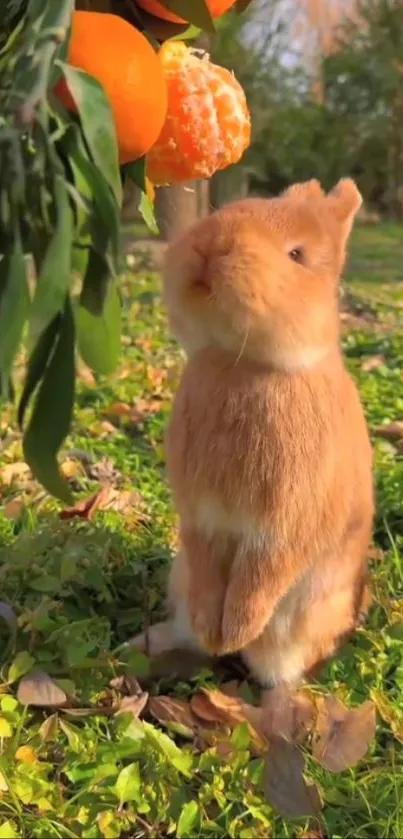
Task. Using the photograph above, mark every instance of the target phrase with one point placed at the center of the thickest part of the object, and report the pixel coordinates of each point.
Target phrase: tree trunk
(176, 208)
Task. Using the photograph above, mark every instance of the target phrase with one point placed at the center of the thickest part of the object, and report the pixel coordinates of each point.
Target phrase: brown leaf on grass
(392, 431)
(86, 375)
(118, 409)
(285, 786)
(213, 706)
(389, 713)
(169, 710)
(132, 704)
(343, 735)
(86, 508)
(38, 689)
(288, 715)
(107, 498)
(12, 472)
(48, 729)
(144, 408)
(72, 469)
(374, 362)
(14, 509)
(128, 685)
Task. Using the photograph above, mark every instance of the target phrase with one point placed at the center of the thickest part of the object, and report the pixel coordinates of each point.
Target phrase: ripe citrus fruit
(125, 64)
(217, 8)
(207, 125)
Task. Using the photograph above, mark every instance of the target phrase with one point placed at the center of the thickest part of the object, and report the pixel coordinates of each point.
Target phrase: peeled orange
(217, 8)
(207, 126)
(129, 70)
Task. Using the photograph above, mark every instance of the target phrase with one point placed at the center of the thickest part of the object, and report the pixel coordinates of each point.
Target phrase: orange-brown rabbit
(268, 451)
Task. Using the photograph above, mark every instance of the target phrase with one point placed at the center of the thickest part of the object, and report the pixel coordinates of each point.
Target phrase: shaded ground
(79, 587)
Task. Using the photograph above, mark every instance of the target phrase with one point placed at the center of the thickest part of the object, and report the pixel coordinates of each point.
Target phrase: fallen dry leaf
(389, 713)
(288, 715)
(14, 471)
(374, 362)
(144, 408)
(343, 735)
(38, 689)
(107, 498)
(213, 706)
(48, 729)
(168, 709)
(285, 786)
(392, 431)
(14, 509)
(86, 375)
(86, 508)
(127, 685)
(118, 409)
(72, 469)
(132, 704)
(108, 428)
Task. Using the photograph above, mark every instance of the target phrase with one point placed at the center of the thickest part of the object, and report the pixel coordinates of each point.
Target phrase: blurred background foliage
(324, 80)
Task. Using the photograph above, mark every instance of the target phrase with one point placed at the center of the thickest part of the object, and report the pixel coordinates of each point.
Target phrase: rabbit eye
(296, 254)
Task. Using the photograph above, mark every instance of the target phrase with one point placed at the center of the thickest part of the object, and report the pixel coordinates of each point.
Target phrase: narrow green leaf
(37, 363)
(95, 285)
(128, 783)
(137, 172)
(98, 124)
(99, 335)
(14, 305)
(188, 820)
(146, 209)
(52, 412)
(106, 216)
(196, 12)
(189, 34)
(55, 272)
(22, 664)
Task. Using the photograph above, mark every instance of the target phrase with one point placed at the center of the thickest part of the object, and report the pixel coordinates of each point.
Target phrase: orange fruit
(208, 123)
(130, 72)
(217, 8)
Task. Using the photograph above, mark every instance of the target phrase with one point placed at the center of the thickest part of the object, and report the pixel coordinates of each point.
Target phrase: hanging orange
(217, 8)
(129, 70)
(208, 123)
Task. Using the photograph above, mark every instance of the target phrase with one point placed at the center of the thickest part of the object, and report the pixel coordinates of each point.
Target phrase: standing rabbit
(268, 451)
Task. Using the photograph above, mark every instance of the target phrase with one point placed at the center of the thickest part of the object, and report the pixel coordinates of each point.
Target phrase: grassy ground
(78, 588)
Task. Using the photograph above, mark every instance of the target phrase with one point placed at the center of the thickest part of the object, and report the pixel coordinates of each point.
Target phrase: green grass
(78, 589)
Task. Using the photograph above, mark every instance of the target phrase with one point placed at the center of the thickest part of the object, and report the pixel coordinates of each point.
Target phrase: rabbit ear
(344, 201)
(303, 191)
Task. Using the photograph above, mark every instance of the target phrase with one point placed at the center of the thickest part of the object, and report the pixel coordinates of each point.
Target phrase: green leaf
(55, 271)
(189, 820)
(14, 304)
(128, 783)
(47, 584)
(105, 217)
(146, 209)
(98, 124)
(5, 728)
(8, 830)
(181, 760)
(37, 364)
(196, 12)
(190, 34)
(137, 172)
(22, 663)
(51, 416)
(96, 281)
(99, 335)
